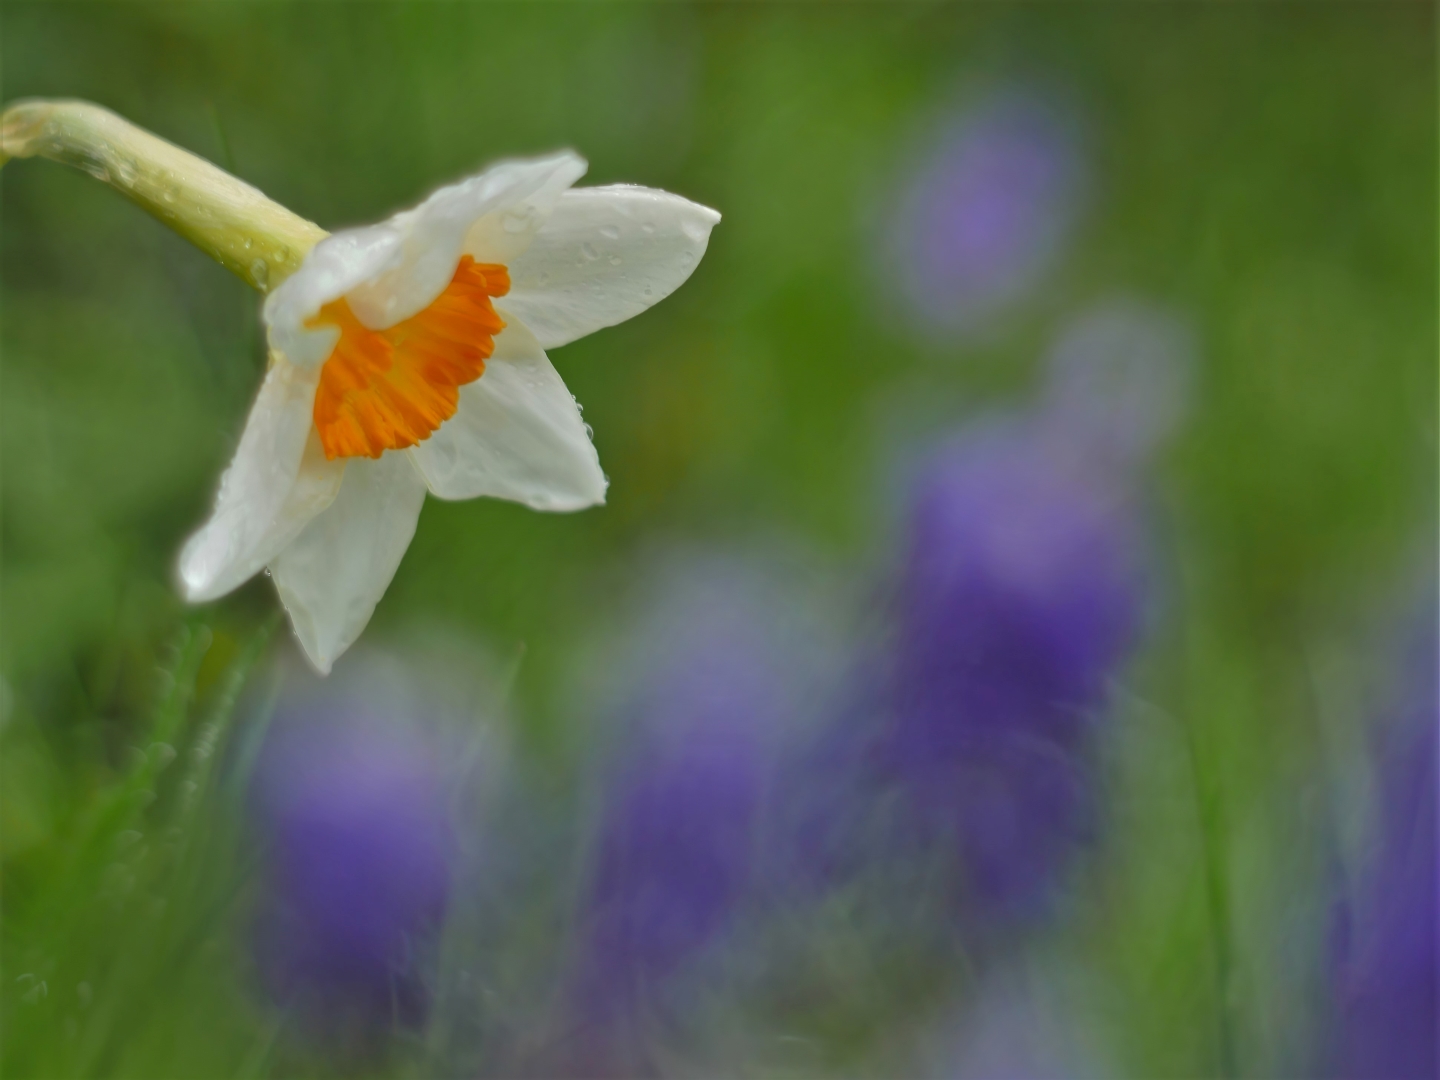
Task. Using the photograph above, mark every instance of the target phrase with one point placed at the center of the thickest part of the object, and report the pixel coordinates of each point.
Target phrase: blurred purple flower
(987, 209)
(1020, 597)
(674, 856)
(1389, 983)
(674, 851)
(358, 861)
(1118, 381)
(1022, 1025)
(1019, 592)
(826, 824)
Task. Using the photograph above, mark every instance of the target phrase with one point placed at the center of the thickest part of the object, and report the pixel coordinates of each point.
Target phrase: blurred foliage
(1268, 169)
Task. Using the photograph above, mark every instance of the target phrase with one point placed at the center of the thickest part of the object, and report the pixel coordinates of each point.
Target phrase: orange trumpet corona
(388, 389)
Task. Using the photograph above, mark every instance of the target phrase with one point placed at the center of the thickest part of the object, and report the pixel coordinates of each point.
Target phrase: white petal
(333, 267)
(390, 271)
(503, 234)
(278, 480)
(516, 435)
(513, 195)
(605, 255)
(333, 575)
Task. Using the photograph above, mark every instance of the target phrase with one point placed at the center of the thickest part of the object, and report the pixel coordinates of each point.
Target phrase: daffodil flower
(404, 357)
(410, 355)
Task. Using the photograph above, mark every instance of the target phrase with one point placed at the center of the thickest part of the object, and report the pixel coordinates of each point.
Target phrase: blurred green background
(1268, 170)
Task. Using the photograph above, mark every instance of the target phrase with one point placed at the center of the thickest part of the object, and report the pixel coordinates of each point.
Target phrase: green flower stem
(229, 220)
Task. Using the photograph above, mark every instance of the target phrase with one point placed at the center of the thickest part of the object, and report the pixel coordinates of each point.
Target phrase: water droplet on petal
(260, 271)
(615, 260)
(610, 232)
(588, 250)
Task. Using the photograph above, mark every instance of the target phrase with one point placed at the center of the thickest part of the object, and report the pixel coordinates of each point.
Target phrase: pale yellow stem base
(229, 220)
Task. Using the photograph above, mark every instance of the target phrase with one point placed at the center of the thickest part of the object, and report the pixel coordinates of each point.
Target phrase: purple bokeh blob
(1118, 382)
(987, 209)
(359, 850)
(1388, 978)
(968, 732)
(673, 862)
(1020, 596)
(674, 854)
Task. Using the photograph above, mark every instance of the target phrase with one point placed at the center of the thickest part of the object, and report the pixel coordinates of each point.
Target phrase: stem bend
(232, 222)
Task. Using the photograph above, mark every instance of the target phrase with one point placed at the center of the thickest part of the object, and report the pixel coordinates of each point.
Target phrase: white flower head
(410, 356)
